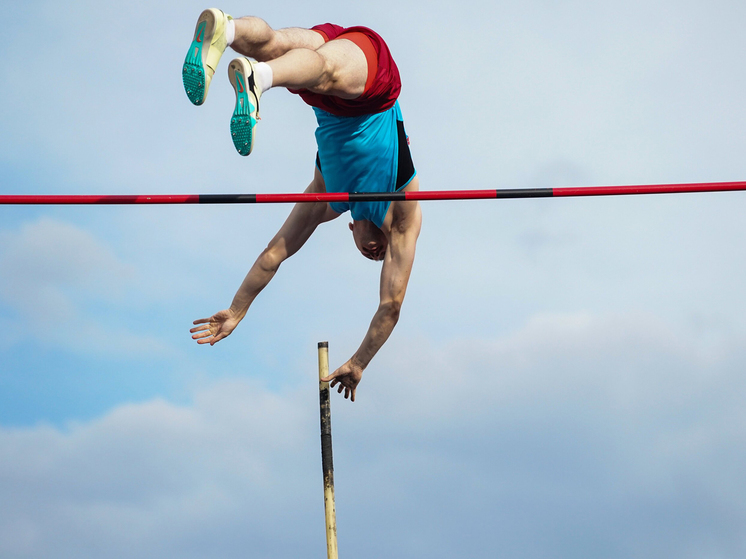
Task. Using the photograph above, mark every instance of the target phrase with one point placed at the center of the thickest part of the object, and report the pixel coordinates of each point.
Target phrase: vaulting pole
(327, 463)
(308, 197)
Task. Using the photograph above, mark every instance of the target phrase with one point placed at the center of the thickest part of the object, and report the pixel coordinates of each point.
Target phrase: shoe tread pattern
(193, 73)
(242, 121)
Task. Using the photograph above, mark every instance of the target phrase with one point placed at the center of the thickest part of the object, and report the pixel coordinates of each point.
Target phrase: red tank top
(383, 90)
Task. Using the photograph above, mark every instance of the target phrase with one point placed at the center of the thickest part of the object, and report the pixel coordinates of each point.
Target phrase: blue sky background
(567, 378)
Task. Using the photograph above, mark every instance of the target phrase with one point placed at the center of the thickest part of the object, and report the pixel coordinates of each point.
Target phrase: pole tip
(323, 344)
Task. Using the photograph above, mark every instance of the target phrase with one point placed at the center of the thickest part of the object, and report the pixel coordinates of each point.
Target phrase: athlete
(350, 79)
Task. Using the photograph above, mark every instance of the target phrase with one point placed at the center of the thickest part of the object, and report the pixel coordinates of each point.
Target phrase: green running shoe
(246, 113)
(204, 54)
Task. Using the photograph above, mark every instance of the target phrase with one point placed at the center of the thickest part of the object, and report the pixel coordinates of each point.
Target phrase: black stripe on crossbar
(227, 198)
(525, 193)
(377, 196)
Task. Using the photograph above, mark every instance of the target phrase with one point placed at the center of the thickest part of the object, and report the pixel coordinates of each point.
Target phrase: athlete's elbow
(269, 260)
(392, 309)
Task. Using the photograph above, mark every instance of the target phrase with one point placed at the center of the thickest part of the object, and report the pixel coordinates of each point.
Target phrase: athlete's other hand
(347, 377)
(213, 329)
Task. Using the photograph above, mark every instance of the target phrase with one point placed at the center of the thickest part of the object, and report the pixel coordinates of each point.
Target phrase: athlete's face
(369, 239)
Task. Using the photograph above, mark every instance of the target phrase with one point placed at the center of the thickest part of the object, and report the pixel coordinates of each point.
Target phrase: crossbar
(423, 195)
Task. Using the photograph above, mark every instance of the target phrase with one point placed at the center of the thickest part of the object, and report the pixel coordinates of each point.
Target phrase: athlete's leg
(255, 38)
(295, 58)
(337, 68)
(300, 59)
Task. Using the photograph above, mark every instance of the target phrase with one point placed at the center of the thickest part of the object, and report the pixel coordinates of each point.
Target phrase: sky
(567, 376)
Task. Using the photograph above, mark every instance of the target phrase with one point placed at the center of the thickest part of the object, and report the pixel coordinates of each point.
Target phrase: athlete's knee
(326, 80)
(275, 46)
(345, 69)
(255, 38)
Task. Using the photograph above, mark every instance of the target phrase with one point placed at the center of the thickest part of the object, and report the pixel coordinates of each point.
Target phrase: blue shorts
(366, 153)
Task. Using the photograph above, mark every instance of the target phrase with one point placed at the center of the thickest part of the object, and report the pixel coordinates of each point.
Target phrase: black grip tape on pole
(327, 462)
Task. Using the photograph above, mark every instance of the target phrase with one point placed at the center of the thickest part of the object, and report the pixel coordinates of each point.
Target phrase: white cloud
(577, 426)
(630, 363)
(150, 476)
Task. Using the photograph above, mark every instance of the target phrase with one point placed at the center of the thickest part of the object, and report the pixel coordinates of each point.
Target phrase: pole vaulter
(420, 195)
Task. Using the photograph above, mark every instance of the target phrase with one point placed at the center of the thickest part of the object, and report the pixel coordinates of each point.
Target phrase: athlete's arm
(397, 267)
(296, 230)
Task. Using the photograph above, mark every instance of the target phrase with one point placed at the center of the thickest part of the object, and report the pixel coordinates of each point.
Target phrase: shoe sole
(243, 121)
(193, 73)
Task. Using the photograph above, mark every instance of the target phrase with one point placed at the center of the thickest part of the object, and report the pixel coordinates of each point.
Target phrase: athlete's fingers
(341, 387)
(201, 335)
(201, 321)
(353, 393)
(330, 378)
(217, 337)
(199, 328)
(347, 393)
(204, 341)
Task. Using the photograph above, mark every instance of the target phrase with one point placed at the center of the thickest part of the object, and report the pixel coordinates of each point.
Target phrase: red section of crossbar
(110, 199)
(344, 197)
(302, 197)
(649, 189)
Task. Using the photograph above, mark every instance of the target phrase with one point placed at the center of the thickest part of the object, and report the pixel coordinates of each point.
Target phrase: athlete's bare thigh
(296, 38)
(347, 67)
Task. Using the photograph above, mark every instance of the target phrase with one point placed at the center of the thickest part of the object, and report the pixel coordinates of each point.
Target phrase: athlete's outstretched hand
(347, 377)
(215, 328)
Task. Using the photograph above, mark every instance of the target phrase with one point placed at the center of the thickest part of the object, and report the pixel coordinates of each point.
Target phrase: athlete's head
(369, 239)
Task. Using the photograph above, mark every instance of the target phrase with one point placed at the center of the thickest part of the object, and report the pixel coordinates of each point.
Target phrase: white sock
(230, 31)
(264, 75)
